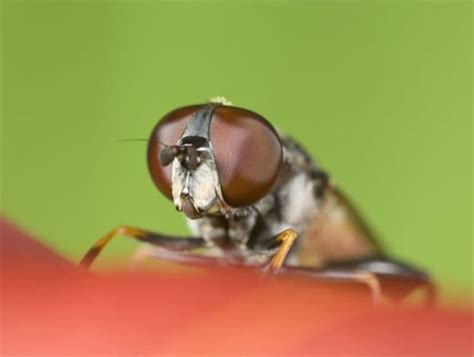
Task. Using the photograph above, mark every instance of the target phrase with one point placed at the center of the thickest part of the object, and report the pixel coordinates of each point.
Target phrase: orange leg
(286, 240)
(394, 286)
(172, 243)
(372, 283)
(283, 242)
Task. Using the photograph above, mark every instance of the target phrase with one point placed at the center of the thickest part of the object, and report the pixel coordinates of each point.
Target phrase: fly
(253, 196)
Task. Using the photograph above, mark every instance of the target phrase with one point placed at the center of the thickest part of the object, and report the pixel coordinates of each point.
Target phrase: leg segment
(283, 242)
(398, 279)
(382, 275)
(172, 243)
(367, 278)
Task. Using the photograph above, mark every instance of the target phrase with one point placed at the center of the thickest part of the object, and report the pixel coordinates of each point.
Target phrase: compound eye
(168, 131)
(248, 154)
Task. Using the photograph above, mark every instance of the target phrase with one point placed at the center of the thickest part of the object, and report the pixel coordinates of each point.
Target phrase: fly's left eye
(248, 154)
(168, 130)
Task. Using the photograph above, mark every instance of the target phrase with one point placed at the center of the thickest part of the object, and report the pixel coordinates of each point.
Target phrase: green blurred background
(380, 93)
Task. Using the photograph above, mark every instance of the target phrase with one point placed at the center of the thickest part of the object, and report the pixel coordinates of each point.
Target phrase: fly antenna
(167, 154)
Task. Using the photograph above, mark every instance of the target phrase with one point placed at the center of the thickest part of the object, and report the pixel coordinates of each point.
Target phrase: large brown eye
(168, 130)
(248, 154)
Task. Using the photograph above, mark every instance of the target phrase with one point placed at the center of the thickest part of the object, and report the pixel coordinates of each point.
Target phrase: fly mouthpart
(189, 209)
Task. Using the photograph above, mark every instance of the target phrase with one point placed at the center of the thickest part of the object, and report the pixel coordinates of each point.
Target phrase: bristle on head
(220, 100)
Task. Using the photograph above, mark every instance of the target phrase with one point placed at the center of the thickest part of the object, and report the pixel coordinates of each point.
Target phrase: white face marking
(201, 185)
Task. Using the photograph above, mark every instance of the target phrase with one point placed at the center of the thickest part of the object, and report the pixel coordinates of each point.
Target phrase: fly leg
(384, 277)
(364, 277)
(398, 280)
(175, 244)
(282, 243)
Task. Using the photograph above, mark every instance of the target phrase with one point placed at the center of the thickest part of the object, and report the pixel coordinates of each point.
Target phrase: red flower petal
(51, 306)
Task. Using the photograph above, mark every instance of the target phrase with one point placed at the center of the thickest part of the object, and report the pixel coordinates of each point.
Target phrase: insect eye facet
(248, 154)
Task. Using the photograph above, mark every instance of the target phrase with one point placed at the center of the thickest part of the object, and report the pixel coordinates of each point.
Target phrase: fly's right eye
(248, 154)
(168, 130)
